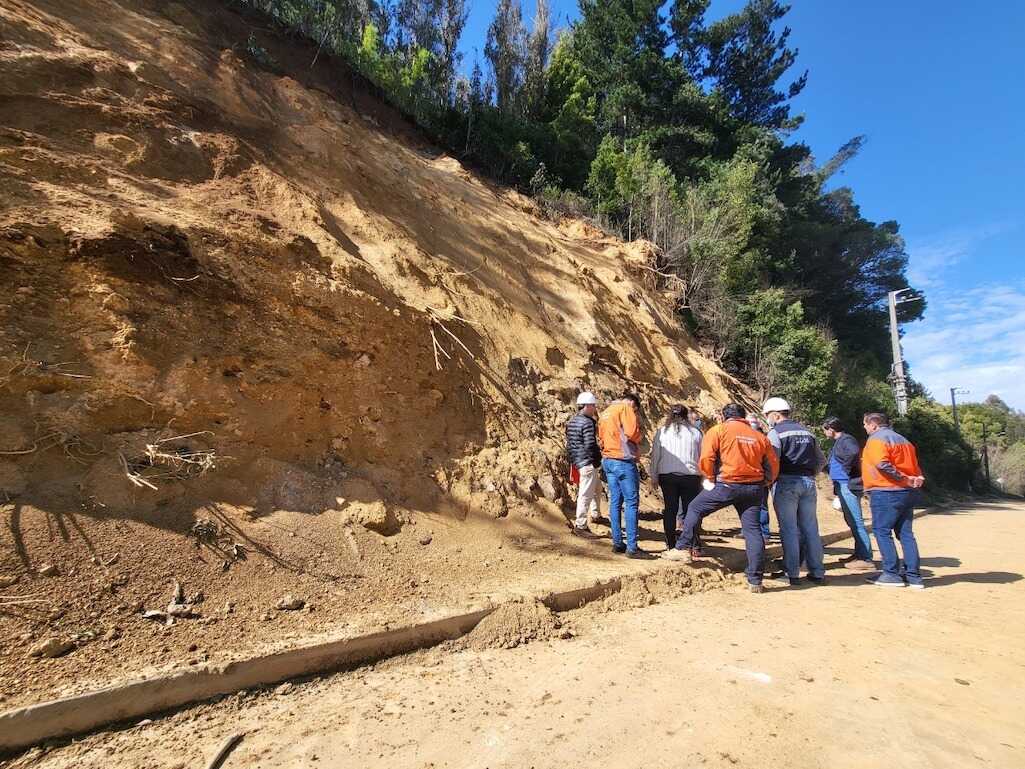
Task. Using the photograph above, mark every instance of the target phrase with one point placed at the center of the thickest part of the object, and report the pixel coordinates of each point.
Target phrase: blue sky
(939, 90)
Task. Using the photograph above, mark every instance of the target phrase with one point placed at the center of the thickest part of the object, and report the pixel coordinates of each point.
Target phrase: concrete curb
(29, 725)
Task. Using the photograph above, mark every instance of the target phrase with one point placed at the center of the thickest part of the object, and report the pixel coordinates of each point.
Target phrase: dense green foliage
(675, 130)
(1000, 430)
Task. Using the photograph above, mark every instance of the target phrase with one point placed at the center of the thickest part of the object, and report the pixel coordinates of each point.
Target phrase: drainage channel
(24, 727)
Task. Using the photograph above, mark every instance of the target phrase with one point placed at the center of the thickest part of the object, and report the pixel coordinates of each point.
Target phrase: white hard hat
(775, 404)
(587, 399)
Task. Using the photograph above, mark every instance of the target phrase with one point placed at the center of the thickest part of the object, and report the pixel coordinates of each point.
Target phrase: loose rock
(547, 485)
(47, 570)
(52, 647)
(290, 603)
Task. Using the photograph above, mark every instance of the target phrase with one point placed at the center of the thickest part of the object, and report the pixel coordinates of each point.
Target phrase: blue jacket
(845, 461)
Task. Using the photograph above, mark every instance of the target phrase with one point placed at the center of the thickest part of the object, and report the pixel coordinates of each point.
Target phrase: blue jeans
(851, 505)
(794, 498)
(763, 515)
(746, 499)
(892, 513)
(624, 494)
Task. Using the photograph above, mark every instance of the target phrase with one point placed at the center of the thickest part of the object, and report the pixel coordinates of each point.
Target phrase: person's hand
(707, 485)
(917, 481)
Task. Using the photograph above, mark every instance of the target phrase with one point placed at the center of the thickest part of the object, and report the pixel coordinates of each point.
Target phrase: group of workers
(736, 463)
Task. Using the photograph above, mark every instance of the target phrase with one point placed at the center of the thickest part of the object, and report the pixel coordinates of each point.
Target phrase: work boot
(678, 555)
(619, 548)
(640, 555)
(584, 532)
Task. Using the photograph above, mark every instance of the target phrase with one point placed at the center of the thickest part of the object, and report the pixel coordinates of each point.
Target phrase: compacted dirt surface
(843, 675)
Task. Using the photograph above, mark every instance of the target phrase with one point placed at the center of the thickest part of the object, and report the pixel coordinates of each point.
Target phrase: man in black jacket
(845, 472)
(585, 455)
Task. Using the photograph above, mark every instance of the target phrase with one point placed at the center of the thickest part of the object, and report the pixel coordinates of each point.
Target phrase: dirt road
(845, 675)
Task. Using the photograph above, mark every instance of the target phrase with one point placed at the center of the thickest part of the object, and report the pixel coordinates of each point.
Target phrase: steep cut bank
(259, 338)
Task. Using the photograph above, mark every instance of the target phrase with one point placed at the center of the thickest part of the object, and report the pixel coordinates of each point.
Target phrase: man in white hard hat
(794, 495)
(585, 456)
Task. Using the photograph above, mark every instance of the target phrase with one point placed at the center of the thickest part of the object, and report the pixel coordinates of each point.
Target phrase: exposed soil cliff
(259, 337)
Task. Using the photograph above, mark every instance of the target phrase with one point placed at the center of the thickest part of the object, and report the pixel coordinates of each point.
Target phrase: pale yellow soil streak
(846, 675)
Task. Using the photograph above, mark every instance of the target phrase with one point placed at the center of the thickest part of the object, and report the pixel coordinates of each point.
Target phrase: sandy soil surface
(261, 339)
(845, 675)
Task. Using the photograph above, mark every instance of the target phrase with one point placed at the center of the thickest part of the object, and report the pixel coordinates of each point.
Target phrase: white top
(676, 449)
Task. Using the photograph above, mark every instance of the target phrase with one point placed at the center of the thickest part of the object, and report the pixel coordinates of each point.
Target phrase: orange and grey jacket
(887, 461)
(734, 453)
(619, 432)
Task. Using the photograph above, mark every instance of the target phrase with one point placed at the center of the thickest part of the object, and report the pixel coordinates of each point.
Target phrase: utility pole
(954, 392)
(985, 453)
(900, 387)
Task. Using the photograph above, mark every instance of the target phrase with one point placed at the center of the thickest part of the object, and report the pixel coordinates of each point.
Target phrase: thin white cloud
(974, 339)
(930, 257)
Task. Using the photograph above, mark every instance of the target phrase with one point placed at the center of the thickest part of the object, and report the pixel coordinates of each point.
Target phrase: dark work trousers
(678, 490)
(746, 499)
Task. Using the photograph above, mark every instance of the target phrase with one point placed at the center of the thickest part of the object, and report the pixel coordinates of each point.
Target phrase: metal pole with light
(900, 382)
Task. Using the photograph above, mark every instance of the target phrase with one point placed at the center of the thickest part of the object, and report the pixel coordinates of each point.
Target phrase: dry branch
(222, 752)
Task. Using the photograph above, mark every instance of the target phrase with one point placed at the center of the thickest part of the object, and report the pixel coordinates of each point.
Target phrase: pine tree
(621, 45)
(746, 60)
(687, 20)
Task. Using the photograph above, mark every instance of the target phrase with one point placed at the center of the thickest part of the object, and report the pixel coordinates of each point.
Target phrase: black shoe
(619, 548)
(816, 580)
(640, 555)
(584, 532)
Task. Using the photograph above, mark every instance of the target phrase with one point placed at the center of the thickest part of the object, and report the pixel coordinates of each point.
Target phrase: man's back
(619, 432)
(799, 452)
(887, 460)
(734, 453)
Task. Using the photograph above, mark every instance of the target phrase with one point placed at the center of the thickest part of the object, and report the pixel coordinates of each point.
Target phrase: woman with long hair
(675, 451)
